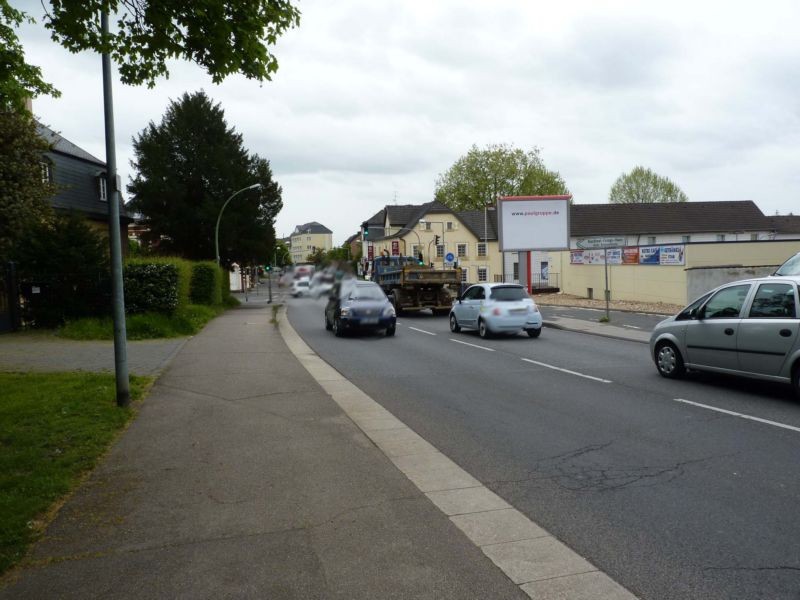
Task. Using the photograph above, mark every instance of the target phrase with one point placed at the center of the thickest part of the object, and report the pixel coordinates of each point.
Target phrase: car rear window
(508, 294)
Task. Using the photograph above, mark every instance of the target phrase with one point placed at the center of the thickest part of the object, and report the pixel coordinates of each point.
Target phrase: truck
(412, 286)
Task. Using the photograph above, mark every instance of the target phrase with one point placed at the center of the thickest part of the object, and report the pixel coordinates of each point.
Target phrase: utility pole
(117, 289)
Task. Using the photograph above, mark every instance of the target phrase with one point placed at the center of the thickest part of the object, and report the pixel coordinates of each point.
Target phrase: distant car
(321, 283)
(300, 287)
(359, 305)
(749, 328)
(790, 267)
(496, 308)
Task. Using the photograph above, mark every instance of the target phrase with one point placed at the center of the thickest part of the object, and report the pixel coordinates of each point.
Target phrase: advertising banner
(395, 247)
(630, 256)
(672, 255)
(650, 255)
(576, 257)
(533, 223)
(599, 257)
(600, 242)
(370, 252)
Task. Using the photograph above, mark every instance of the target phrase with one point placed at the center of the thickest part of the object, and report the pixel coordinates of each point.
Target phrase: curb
(552, 325)
(624, 310)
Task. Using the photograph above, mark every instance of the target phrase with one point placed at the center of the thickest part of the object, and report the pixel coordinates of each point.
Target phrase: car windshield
(367, 292)
(790, 267)
(508, 294)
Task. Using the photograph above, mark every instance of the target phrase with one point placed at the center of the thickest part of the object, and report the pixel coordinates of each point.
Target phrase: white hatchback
(496, 308)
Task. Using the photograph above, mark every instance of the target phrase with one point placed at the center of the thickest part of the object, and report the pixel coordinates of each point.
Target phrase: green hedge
(205, 286)
(157, 284)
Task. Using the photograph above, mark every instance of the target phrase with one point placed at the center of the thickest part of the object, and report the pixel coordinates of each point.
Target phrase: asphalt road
(580, 433)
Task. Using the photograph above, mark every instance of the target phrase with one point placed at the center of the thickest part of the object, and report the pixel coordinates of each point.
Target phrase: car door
(711, 339)
(770, 329)
(467, 309)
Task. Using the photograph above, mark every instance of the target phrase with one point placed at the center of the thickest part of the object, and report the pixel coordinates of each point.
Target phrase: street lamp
(255, 186)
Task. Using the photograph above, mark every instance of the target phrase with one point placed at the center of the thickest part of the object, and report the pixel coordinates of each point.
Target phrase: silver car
(749, 328)
(496, 308)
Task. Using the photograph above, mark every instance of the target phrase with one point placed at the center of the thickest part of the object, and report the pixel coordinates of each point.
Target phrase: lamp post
(216, 230)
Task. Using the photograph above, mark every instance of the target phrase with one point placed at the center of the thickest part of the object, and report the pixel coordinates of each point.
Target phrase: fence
(9, 299)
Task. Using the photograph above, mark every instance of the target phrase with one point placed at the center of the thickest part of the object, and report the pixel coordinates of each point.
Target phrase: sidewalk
(241, 478)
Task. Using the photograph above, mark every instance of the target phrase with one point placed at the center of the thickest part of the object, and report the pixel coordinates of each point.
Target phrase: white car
(496, 308)
(300, 287)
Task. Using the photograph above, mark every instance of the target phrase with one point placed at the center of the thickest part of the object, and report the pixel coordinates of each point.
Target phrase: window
(651, 239)
(461, 249)
(726, 303)
(102, 191)
(464, 274)
(415, 250)
(439, 250)
(774, 301)
(720, 237)
(47, 173)
(516, 271)
(427, 226)
(754, 237)
(686, 239)
(688, 312)
(308, 238)
(483, 273)
(509, 293)
(449, 226)
(474, 293)
(481, 249)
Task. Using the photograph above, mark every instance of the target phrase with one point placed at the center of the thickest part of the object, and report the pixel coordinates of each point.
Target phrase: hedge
(157, 284)
(205, 286)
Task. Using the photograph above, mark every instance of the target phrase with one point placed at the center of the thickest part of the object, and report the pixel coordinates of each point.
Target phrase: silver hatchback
(749, 328)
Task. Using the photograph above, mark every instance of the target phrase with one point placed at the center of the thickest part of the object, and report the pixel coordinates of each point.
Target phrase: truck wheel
(396, 301)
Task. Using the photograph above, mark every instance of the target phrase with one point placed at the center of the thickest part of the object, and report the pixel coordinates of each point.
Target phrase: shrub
(150, 288)
(205, 287)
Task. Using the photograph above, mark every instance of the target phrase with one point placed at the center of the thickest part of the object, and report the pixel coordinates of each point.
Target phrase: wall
(701, 279)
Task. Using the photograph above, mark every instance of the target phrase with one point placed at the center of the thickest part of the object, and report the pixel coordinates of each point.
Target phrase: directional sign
(449, 257)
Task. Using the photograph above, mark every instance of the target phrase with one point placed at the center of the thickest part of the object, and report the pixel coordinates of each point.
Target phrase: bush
(150, 288)
(205, 287)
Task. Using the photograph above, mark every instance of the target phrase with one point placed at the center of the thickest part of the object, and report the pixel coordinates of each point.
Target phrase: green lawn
(53, 429)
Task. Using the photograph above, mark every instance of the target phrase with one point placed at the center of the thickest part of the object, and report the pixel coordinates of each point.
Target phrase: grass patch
(186, 320)
(53, 429)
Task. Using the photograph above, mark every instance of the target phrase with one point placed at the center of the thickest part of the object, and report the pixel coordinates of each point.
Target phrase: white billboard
(533, 223)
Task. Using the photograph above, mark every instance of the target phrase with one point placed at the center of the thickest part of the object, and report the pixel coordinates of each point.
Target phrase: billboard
(533, 223)
(395, 248)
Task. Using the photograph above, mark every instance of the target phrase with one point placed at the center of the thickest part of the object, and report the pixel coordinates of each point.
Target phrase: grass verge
(186, 320)
(53, 429)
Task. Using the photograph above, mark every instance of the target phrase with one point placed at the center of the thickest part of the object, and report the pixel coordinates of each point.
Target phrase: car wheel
(669, 361)
(454, 326)
(337, 327)
(328, 325)
(796, 380)
(534, 333)
(483, 330)
(390, 331)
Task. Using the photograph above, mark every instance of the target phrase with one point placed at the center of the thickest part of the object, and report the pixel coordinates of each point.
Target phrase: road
(579, 432)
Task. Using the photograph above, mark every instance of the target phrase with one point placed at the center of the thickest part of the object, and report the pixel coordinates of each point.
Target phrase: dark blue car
(359, 305)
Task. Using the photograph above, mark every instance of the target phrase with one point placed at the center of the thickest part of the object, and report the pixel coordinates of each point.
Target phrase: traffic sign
(449, 257)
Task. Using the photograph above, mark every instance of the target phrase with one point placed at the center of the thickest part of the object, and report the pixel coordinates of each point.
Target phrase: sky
(373, 100)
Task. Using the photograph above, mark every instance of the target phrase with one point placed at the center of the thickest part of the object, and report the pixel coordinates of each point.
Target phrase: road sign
(449, 257)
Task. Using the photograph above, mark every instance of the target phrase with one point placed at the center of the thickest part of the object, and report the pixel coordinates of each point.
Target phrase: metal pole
(269, 275)
(112, 193)
(219, 216)
(605, 264)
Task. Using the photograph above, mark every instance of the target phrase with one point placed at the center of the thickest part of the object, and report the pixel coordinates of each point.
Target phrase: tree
(282, 255)
(643, 185)
(18, 79)
(479, 177)
(23, 189)
(187, 167)
(317, 257)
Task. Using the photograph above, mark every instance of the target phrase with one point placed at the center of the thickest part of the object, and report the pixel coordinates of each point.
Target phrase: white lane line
(422, 331)
(473, 345)
(541, 364)
(632, 326)
(740, 415)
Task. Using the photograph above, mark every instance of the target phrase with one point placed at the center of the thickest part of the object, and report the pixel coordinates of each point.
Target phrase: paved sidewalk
(241, 478)
(45, 352)
(595, 328)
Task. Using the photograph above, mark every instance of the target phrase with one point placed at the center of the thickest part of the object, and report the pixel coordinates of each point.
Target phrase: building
(307, 239)
(81, 181)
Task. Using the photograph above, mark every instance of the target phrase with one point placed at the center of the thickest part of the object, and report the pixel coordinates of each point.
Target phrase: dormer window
(47, 171)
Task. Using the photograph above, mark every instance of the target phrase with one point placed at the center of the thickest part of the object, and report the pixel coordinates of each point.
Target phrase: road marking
(740, 415)
(473, 345)
(632, 326)
(422, 331)
(541, 364)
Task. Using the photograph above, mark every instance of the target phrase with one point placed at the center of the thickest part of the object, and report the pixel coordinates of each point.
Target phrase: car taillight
(497, 312)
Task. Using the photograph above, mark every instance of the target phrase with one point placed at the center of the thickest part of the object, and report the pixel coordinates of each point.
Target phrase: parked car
(496, 308)
(300, 287)
(790, 267)
(749, 328)
(359, 305)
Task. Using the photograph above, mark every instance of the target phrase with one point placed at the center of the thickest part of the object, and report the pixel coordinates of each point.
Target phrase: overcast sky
(374, 99)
